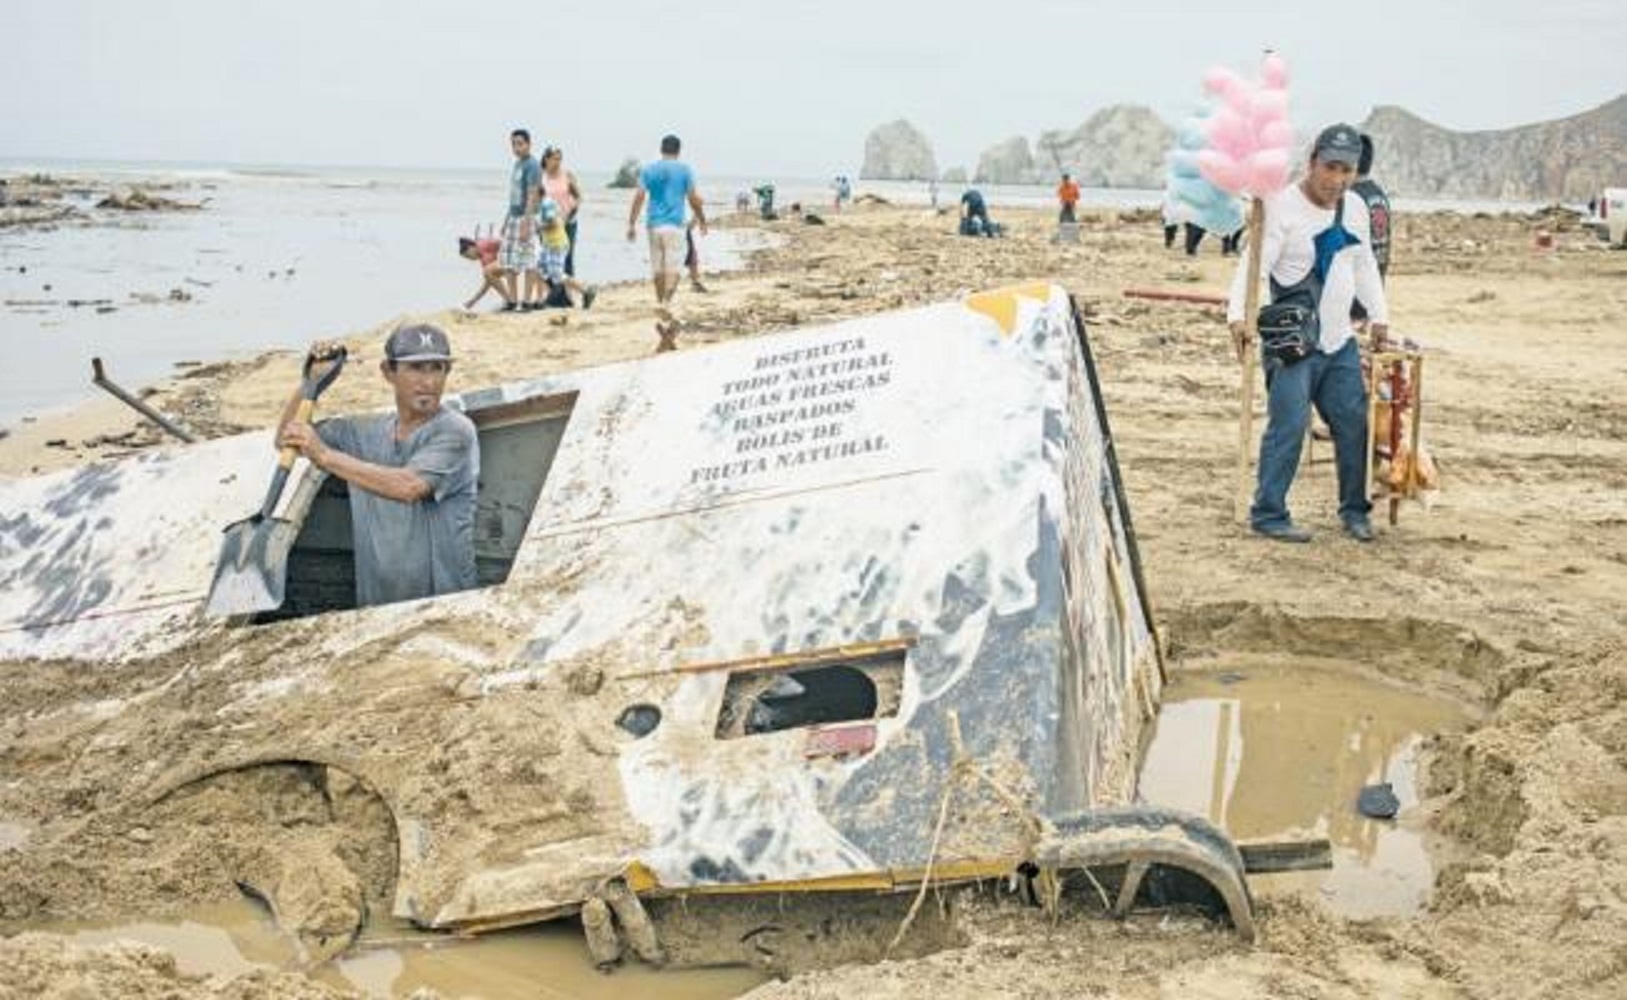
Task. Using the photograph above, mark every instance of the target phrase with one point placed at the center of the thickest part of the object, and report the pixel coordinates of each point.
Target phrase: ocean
(280, 256)
(276, 258)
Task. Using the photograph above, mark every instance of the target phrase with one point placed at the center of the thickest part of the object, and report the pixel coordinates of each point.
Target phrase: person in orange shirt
(1068, 194)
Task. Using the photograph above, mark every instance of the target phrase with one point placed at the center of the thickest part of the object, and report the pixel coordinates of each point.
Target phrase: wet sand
(1506, 596)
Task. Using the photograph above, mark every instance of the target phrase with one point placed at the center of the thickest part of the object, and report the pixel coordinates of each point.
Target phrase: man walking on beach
(412, 473)
(519, 251)
(667, 184)
(1316, 239)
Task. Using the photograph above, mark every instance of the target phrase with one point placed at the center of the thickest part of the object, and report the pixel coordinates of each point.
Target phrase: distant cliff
(1567, 159)
(1120, 146)
(1011, 162)
(898, 151)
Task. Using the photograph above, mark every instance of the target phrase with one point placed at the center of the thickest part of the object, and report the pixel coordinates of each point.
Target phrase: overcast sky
(755, 87)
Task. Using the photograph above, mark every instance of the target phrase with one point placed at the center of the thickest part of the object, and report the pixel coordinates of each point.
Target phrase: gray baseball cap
(1338, 144)
(418, 342)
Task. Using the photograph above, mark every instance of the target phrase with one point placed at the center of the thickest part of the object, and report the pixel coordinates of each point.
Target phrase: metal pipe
(100, 380)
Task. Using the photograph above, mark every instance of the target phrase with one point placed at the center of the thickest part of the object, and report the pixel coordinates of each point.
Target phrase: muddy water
(1271, 752)
(545, 962)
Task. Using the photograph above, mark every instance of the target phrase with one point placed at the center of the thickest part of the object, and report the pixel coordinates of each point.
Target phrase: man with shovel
(412, 473)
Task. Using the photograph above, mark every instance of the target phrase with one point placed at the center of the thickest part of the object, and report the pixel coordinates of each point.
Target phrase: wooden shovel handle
(302, 414)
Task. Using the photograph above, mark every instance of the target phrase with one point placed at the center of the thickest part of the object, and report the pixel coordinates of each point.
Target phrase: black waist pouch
(1290, 328)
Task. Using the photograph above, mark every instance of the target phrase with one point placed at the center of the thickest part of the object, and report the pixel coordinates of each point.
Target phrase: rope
(961, 766)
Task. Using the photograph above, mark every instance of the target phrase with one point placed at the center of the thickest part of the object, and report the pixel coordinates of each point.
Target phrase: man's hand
(302, 437)
(703, 229)
(1240, 339)
(322, 352)
(1380, 334)
(631, 233)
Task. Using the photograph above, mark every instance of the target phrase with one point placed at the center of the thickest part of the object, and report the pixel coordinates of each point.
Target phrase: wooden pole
(1372, 427)
(1249, 360)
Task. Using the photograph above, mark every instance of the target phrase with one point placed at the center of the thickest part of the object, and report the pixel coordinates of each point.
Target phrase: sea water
(274, 259)
(279, 256)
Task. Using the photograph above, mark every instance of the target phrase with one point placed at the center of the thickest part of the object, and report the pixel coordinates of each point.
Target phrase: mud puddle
(550, 962)
(1271, 752)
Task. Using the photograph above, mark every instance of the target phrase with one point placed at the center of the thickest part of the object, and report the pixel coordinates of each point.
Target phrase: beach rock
(1118, 146)
(626, 174)
(898, 151)
(1009, 162)
(1568, 158)
(137, 200)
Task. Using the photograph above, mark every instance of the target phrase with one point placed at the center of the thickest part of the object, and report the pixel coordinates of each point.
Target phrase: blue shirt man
(667, 185)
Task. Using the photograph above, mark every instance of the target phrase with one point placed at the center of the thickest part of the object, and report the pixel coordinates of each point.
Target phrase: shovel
(252, 572)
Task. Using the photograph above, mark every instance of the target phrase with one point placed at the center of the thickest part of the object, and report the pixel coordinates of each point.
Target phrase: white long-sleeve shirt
(1288, 253)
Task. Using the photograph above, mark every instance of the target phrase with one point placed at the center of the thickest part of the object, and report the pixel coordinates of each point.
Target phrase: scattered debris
(1378, 801)
(137, 200)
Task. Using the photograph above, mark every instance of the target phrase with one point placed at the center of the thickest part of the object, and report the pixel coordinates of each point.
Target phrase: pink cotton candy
(1274, 71)
(1220, 81)
(1265, 173)
(1249, 139)
(1277, 135)
(1268, 105)
(1221, 170)
(1229, 133)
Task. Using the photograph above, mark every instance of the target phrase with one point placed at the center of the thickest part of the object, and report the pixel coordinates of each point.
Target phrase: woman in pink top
(560, 185)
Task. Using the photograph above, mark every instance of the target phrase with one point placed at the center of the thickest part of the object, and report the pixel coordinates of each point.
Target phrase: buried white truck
(835, 611)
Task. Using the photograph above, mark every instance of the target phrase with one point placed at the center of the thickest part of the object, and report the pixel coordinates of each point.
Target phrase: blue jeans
(1332, 382)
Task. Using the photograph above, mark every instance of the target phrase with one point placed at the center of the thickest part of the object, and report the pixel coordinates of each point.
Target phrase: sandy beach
(1506, 595)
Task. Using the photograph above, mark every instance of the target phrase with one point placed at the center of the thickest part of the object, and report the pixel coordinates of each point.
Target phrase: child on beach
(556, 246)
(492, 274)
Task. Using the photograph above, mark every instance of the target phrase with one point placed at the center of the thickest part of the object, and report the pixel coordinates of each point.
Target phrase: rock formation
(1569, 158)
(955, 175)
(1120, 146)
(626, 174)
(897, 151)
(1011, 162)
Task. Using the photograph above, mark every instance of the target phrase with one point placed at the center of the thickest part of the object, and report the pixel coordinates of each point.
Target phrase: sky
(754, 87)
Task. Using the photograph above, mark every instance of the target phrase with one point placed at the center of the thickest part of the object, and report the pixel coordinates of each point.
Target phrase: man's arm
(632, 216)
(533, 198)
(404, 485)
(576, 192)
(698, 207)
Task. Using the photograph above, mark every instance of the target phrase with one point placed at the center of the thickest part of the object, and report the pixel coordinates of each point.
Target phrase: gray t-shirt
(410, 550)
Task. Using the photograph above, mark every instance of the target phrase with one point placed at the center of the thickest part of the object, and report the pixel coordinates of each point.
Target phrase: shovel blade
(252, 573)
